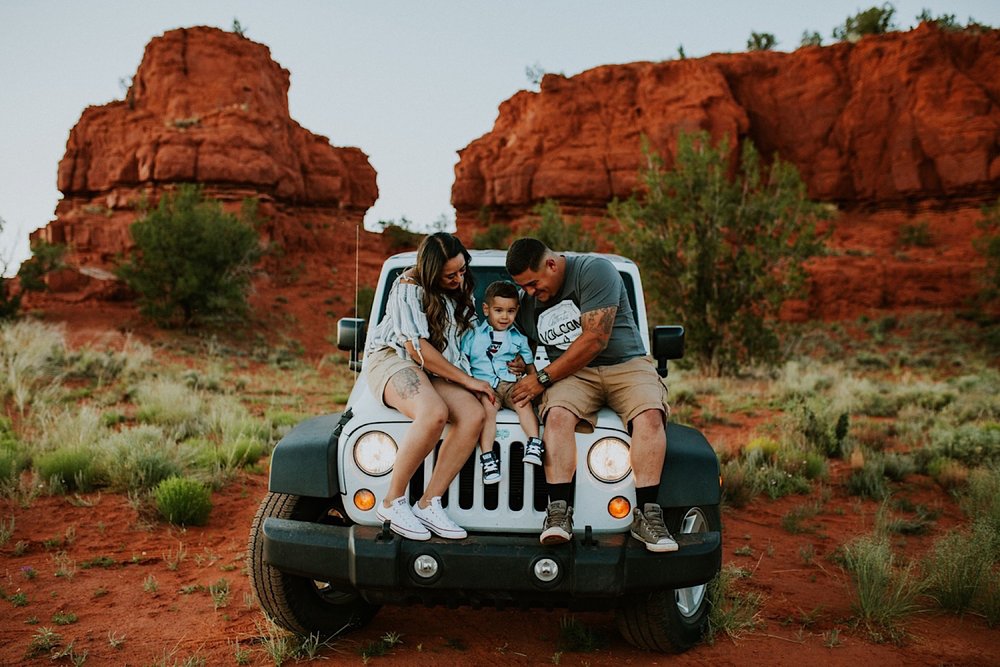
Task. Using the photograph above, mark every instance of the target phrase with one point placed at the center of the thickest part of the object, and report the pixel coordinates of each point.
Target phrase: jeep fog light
(364, 499)
(375, 453)
(619, 507)
(608, 460)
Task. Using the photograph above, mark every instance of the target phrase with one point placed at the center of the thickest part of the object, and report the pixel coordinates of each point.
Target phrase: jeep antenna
(357, 286)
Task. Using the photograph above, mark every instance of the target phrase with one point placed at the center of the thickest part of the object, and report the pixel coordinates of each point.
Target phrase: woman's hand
(480, 388)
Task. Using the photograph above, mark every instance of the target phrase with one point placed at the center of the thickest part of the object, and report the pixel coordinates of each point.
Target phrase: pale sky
(409, 82)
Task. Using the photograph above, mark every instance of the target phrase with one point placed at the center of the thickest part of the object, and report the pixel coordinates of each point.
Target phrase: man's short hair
(524, 254)
(502, 289)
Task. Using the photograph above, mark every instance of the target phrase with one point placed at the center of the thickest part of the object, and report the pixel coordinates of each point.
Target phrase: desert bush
(811, 38)
(192, 261)
(67, 427)
(139, 458)
(988, 245)
(958, 569)
(496, 235)
(981, 500)
(399, 235)
(884, 593)
(761, 41)
(869, 480)
(970, 444)
(28, 368)
(737, 490)
(872, 21)
(183, 501)
(172, 405)
(719, 254)
(898, 467)
(69, 469)
(733, 612)
(557, 233)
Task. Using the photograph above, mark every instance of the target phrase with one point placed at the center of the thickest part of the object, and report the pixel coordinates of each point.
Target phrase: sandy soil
(127, 577)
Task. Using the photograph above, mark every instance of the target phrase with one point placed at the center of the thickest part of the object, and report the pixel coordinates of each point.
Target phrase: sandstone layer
(211, 107)
(899, 131)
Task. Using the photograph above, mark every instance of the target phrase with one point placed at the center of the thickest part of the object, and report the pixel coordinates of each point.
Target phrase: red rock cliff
(906, 124)
(211, 107)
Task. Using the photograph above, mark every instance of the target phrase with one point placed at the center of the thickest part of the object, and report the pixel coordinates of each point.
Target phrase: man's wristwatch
(544, 379)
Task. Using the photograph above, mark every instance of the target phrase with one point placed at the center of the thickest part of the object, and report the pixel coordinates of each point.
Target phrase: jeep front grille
(522, 486)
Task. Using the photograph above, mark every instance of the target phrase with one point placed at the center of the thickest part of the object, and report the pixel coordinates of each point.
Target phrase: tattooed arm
(595, 333)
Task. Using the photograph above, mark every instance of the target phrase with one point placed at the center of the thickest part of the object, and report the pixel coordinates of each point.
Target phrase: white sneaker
(401, 520)
(437, 520)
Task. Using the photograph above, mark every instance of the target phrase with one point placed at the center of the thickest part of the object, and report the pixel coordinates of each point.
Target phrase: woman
(415, 365)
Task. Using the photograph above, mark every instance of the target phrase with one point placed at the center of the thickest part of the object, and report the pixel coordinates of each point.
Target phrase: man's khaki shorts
(628, 388)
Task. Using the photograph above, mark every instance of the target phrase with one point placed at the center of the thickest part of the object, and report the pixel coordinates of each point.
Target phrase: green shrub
(761, 41)
(916, 235)
(140, 458)
(988, 245)
(496, 235)
(884, 594)
(192, 261)
(958, 569)
(872, 21)
(869, 481)
(183, 501)
(555, 232)
(811, 39)
(721, 255)
(45, 258)
(171, 405)
(69, 469)
(733, 612)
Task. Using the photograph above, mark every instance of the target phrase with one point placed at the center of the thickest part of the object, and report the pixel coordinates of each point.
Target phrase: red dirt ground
(807, 596)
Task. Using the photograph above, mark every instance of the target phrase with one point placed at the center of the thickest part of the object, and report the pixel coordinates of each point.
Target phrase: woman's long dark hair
(432, 255)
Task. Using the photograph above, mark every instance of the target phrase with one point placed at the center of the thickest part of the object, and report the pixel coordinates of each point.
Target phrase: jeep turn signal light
(364, 499)
(619, 507)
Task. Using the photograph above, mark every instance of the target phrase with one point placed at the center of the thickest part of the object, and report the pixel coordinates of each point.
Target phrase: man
(578, 307)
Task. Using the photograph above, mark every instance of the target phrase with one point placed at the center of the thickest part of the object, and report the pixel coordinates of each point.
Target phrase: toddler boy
(489, 347)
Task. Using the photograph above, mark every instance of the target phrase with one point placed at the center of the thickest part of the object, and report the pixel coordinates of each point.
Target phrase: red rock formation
(211, 107)
(906, 124)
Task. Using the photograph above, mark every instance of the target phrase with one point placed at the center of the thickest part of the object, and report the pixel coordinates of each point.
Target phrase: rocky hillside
(901, 132)
(211, 107)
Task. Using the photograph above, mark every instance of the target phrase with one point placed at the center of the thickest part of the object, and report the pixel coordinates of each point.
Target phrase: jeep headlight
(375, 453)
(608, 460)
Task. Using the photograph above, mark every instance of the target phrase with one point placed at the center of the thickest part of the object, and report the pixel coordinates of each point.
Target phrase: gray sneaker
(648, 527)
(558, 525)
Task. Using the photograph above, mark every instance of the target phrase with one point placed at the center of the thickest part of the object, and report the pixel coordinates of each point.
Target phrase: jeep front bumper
(486, 569)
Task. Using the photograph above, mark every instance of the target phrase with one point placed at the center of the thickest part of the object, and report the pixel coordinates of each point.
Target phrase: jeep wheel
(300, 604)
(671, 620)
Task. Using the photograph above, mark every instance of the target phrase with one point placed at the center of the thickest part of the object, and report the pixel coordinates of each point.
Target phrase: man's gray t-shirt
(591, 283)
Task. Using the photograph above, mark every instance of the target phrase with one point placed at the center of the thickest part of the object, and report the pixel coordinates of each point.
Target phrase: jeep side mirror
(351, 332)
(668, 343)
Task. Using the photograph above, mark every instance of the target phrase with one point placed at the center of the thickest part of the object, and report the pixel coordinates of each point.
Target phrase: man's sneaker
(437, 520)
(402, 521)
(648, 527)
(533, 451)
(558, 525)
(491, 468)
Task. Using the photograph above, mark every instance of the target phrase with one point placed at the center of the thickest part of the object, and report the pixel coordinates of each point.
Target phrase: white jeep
(320, 561)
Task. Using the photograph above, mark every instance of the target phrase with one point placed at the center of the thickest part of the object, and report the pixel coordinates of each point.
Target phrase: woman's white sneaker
(402, 521)
(437, 520)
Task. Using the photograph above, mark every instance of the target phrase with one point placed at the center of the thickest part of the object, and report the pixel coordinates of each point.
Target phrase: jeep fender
(304, 462)
(690, 470)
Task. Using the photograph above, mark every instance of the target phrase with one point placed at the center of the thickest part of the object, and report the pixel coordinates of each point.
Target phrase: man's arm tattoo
(600, 321)
(407, 383)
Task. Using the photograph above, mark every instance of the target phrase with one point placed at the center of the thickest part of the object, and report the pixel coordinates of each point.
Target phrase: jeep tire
(296, 603)
(671, 620)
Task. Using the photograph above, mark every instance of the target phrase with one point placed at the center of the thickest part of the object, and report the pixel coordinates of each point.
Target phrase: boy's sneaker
(402, 521)
(437, 520)
(491, 468)
(533, 451)
(648, 527)
(558, 525)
